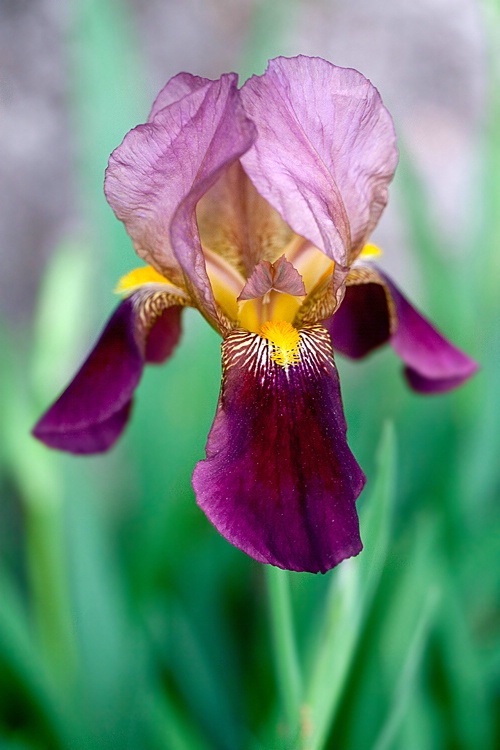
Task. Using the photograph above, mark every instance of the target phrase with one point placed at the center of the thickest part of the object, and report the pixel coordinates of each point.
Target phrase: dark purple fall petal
(433, 385)
(92, 412)
(433, 364)
(362, 323)
(279, 480)
(163, 336)
(162, 169)
(325, 153)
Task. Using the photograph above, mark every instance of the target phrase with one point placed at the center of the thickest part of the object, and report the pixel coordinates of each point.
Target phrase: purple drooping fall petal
(162, 169)
(325, 151)
(366, 319)
(362, 322)
(92, 412)
(433, 364)
(279, 480)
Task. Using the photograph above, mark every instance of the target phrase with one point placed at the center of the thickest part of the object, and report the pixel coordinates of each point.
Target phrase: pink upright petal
(325, 152)
(162, 169)
(279, 480)
(92, 412)
(181, 85)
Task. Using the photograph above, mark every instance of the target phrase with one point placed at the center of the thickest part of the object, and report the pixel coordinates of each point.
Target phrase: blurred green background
(126, 621)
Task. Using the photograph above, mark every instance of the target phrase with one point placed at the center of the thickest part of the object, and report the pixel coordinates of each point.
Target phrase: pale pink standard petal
(161, 170)
(176, 89)
(325, 152)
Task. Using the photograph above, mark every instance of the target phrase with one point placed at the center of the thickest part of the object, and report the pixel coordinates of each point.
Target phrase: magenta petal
(163, 336)
(434, 385)
(162, 169)
(279, 480)
(433, 364)
(56, 429)
(325, 151)
(92, 412)
(361, 323)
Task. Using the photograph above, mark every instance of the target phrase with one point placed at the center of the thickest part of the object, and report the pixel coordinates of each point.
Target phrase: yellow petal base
(137, 278)
(284, 340)
(370, 251)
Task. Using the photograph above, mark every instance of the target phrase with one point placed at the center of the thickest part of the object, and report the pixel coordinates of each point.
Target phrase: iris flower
(255, 206)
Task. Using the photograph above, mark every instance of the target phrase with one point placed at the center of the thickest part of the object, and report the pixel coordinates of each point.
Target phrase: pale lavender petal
(161, 170)
(176, 89)
(279, 480)
(325, 151)
(92, 412)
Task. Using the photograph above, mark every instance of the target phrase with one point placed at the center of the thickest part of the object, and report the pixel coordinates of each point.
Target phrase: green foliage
(127, 622)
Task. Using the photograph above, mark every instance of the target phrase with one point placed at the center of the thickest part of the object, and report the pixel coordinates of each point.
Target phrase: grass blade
(287, 665)
(409, 671)
(351, 594)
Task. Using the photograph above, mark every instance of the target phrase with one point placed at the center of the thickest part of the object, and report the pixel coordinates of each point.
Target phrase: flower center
(284, 340)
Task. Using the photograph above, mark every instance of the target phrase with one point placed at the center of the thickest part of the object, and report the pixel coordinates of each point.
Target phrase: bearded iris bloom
(254, 206)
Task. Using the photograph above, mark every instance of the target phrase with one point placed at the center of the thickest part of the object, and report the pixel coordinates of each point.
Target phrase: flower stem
(285, 652)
